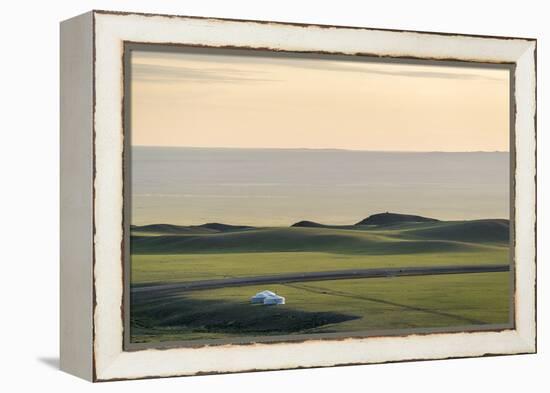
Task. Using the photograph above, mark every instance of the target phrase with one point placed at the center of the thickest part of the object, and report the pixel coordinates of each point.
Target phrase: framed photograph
(247, 195)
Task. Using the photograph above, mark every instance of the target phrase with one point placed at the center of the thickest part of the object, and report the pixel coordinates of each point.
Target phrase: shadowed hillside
(211, 316)
(423, 237)
(169, 229)
(313, 224)
(477, 231)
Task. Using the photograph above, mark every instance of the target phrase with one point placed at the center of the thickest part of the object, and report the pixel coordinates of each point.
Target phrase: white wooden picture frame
(92, 194)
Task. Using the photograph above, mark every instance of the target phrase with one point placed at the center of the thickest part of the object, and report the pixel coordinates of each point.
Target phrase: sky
(248, 101)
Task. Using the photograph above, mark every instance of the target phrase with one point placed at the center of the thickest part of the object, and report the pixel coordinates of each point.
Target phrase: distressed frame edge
(528, 340)
(526, 132)
(76, 285)
(305, 24)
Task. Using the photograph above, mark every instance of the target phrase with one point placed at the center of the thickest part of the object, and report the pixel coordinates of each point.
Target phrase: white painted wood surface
(76, 177)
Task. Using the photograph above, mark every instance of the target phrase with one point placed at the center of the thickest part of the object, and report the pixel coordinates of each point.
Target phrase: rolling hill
(404, 238)
(169, 229)
(476, 231)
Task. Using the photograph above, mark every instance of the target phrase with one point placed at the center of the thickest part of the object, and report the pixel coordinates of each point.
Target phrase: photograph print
(278, 196)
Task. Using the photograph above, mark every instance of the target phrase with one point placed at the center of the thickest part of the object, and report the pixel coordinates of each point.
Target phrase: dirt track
(321, 276)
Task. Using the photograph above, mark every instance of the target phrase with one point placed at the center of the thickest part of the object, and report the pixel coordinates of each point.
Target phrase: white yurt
(274, 300)
(267, 298)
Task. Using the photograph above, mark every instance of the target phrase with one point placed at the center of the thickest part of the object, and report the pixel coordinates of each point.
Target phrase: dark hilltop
(393, 218)
(375, 219)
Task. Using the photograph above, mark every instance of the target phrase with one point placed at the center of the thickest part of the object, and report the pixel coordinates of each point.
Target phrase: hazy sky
(199, 100)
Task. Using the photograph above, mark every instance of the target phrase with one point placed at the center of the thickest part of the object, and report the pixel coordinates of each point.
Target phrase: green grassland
(327, 307)
(170, 254)
(170, 268)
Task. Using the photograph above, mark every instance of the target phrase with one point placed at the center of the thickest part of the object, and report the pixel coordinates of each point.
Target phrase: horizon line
(321, 148)
(300, 221)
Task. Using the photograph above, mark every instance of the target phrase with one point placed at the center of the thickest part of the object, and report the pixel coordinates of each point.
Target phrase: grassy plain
(169, 254)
